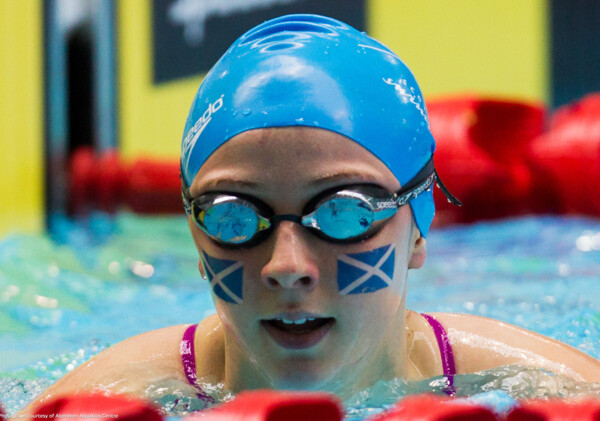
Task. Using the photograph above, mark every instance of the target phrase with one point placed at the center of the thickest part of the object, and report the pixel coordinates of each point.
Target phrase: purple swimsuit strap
(188, 359)
(188, 356)
(445, 351)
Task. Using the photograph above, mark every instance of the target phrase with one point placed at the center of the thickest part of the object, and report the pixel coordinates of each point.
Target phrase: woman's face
(294, 276)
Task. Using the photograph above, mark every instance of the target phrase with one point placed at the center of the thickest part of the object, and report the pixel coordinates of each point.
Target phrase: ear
(419, 253)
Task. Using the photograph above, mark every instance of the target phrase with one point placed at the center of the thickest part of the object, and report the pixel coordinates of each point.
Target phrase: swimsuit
(186, 348)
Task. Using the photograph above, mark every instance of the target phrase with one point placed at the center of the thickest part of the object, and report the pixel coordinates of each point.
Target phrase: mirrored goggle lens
(344, 217)
(231, 221)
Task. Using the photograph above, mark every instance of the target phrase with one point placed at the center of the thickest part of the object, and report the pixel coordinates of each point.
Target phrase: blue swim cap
(309, 70)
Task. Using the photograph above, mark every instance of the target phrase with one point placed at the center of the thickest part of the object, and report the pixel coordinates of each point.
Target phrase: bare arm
(481, 343)
(145, 360)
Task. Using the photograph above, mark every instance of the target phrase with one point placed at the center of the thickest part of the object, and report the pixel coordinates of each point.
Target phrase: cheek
(367, 320)
(366, 272)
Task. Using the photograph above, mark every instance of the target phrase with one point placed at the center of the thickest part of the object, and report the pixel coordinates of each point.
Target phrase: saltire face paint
(225, 277)
(365, 272)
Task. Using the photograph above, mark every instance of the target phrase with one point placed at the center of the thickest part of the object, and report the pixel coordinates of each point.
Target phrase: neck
(383, 360)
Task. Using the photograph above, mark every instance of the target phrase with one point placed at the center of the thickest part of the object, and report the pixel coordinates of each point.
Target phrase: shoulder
(481, 343)
(129, 366)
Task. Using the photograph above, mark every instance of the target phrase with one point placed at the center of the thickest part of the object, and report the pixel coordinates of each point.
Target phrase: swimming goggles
(345, 214)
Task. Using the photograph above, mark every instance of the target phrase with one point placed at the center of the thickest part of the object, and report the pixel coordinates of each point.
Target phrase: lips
(297, 331)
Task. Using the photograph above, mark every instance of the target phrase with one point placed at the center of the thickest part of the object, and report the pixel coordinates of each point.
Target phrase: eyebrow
(229, 181)
(354, 176)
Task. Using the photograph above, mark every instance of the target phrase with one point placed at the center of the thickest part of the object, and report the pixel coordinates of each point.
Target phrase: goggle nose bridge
(276, 219)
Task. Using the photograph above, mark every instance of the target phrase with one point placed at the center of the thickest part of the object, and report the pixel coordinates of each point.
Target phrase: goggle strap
(451, 198)
(419, 179)
(419, 183)
(407, 195)
(423, 179)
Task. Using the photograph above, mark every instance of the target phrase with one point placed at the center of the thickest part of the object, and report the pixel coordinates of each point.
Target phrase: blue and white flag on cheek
(366, 272)
(225, 277)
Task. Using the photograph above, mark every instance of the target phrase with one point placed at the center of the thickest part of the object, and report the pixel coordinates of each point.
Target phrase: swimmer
(307, 174)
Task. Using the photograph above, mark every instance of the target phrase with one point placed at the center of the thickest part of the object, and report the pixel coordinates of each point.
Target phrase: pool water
(96, 282)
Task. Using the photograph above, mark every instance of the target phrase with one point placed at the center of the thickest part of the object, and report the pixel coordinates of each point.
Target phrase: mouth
(293, 332)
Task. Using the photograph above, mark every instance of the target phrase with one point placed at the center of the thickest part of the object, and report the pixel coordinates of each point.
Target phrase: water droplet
(299, 120)
(246, 111)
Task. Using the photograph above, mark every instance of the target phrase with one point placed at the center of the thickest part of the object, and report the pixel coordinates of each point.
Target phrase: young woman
(307, 172)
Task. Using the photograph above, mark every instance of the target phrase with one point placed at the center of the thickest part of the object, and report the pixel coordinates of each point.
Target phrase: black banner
(575, 49)
(189, 36)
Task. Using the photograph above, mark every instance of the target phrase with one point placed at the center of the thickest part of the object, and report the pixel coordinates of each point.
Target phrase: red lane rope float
(272, 405)
(275, 406)
(104, 182)
(435, 408)
(111, 181)
(153, 186)
(555, 410)
(82, 180)
(96, 407)
(566, 160)
(96, 182)
(481, 154)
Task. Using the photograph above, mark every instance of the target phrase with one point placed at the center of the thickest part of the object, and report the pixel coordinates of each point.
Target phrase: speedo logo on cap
(194, 133)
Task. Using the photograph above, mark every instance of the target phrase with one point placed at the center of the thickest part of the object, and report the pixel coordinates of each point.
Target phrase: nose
(291, 264)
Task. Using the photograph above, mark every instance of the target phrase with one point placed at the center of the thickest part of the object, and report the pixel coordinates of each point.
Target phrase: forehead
(293, 156)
